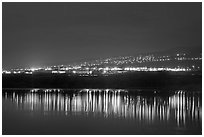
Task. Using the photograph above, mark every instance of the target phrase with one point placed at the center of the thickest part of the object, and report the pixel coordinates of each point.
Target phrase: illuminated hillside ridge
(182, 61)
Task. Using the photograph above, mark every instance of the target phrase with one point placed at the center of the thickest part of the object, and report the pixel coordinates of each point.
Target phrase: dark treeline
(127, 80)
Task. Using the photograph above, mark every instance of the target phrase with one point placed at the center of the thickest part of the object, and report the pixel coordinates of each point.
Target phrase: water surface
(101, 111)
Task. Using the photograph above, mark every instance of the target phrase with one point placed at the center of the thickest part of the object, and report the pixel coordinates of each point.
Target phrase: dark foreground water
(101, 111)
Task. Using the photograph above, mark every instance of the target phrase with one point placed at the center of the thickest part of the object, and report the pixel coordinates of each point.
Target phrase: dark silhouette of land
(131, 80)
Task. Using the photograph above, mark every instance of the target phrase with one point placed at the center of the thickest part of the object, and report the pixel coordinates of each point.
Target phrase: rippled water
(101, 111)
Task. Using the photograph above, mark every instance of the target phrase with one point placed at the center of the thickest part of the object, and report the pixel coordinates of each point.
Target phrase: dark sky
(40, 34)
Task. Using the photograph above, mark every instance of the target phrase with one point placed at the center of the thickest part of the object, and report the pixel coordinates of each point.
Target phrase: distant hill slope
(176, 57)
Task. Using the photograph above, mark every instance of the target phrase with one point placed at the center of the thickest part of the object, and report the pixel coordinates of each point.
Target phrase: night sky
(40, 34)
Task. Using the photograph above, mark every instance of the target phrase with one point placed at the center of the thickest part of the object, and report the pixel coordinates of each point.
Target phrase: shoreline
(134, 80)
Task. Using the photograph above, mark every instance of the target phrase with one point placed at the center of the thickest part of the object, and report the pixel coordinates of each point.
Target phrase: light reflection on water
(181, 107)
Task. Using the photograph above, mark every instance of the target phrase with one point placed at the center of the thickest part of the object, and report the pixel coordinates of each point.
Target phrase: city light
(119, 65)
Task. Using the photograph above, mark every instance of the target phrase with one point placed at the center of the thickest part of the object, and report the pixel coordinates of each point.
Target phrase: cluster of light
(36, 90)
(149, 69)
(17, 72)
(108, 70)
(114, 65)
(48, 68)
(104, 90)
(60, 72)
(6, 72)
(28, 72)
(140, 59)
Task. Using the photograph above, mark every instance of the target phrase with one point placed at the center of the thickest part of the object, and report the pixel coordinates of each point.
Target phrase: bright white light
(28, 72)
(8, 72)
(62, 72)
(54, 71)
(33, 69)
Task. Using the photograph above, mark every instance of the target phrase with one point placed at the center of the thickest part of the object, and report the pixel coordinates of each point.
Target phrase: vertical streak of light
(58, 102)
(193, 107)
(178, 110)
